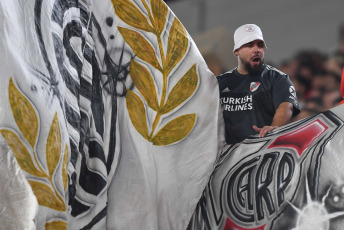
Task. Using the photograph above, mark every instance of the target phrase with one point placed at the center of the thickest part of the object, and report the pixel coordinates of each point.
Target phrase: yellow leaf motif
(45, 196)
(159, 9)
(144, 83)
(137, 113)
(177, 44)
(175, 130)
(21, 153)
(53, 146)
(182, 90)
(140, 46)
(64, 169)
(24, 114)
(131, 15)
(56, 225)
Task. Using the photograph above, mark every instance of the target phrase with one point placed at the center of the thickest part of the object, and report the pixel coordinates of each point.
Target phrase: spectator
(256, 97)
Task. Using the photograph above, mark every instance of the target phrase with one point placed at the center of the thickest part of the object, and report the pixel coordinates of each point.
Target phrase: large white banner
(109, 110)
(291, 179)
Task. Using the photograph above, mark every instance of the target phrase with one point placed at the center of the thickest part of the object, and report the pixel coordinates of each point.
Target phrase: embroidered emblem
(249, 28)
(254, 86)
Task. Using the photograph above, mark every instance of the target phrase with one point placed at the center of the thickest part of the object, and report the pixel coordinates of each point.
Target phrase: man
(256, 98)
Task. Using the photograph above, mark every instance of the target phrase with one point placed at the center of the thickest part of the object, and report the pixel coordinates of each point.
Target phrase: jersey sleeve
(283, 90)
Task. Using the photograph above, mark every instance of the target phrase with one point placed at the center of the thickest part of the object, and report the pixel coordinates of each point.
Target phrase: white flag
(110, 111)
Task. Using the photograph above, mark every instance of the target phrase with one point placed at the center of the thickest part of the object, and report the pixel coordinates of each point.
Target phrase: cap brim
(248, 39)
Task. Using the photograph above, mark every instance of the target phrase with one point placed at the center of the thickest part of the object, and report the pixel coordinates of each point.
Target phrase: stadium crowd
(316, 78)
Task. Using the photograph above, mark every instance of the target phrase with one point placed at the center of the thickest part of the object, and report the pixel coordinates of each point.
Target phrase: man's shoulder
(226, 74)
(274, 72)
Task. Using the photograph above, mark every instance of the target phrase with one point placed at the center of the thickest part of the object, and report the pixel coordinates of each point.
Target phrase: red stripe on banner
(230, 225)
(342, 87)
(301, 138)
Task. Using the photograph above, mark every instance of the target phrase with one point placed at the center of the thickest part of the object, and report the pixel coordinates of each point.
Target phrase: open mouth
(255, 60)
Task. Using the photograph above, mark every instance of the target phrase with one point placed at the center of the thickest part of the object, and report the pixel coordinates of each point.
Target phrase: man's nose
(256, 48)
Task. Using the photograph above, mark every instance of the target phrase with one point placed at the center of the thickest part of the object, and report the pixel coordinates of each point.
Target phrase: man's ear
(236, 53)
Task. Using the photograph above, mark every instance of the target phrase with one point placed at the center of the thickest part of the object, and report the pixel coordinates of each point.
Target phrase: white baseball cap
(245, 34)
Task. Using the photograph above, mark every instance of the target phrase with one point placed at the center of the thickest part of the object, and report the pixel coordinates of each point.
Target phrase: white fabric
(18, 204)
(290, 179)
(65, 79)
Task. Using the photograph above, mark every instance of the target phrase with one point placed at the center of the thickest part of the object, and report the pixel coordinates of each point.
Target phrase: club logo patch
(292, 91)
(249, 28)
(254, 86)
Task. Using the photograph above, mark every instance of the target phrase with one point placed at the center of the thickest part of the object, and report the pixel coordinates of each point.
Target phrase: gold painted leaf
(175, 130)
(159, 10)
(21, 153)
(144, 83)
(45, 196)
(137, 113)
(56, 225)
(140, 46)
(182, 90)
(24, 114)
(64, 169)
(131, 15)
(53, 146)
(177, 44)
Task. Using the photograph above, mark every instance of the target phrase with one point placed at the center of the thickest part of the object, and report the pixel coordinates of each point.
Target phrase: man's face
(251, 56)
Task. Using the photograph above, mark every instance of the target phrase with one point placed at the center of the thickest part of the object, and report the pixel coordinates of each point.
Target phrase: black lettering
(262, 191)
(231, 202)
(282, 182)
(246, 187)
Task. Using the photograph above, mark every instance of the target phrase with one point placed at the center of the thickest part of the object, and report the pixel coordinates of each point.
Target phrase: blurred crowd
(316, 77)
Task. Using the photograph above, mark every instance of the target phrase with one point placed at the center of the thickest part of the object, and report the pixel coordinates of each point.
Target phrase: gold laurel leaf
(56, 225)
(175, 130)
(53, 146)
(64, 169)
(131, 15)
(137, 113)
(140, 46)
(24, 114)
(185, 87)
(177, 44)
(144, 83)
(45, 196)
(21, 153)
(159, 10)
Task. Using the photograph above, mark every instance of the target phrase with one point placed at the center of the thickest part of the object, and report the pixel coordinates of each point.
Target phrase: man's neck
(242, 70)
